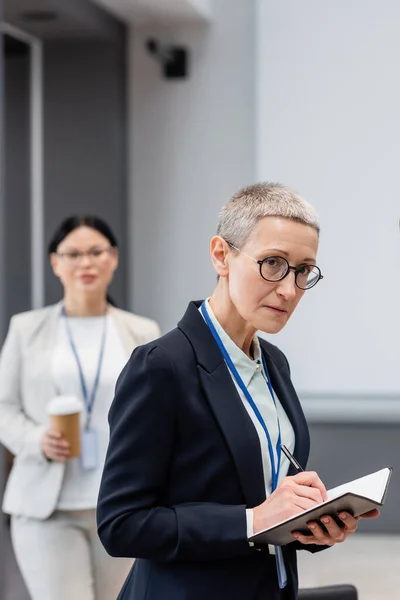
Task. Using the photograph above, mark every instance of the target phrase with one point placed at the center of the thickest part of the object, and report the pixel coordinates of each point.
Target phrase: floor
(372, 563)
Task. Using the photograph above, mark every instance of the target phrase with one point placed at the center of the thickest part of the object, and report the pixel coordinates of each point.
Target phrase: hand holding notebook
(356, 497)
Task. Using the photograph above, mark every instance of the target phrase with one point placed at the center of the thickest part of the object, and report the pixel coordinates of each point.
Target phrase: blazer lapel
(40, 341)
(286, 393)
(237, 429)
(235, 424)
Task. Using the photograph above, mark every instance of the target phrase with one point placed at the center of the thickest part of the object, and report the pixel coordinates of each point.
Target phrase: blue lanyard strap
(89, 399)
(280, 563)
(242, 386)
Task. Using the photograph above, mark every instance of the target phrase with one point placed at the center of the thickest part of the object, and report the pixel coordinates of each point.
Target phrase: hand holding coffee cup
(55, 447)
(63, 439)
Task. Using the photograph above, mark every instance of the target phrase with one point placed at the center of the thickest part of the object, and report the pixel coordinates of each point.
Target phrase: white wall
(328, 110)
(204, 7)
(192, 147)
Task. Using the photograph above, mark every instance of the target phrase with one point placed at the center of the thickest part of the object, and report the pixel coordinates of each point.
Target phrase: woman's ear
(115, 256)
(54, 262)
(219, 251)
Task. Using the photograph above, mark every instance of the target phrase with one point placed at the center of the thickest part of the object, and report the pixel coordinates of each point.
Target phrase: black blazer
(183, 464)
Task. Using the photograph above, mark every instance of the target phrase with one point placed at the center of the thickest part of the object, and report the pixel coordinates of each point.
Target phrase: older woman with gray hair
(194, 465)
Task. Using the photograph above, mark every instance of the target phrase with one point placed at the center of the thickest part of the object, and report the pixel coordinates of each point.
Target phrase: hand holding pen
(292, 496)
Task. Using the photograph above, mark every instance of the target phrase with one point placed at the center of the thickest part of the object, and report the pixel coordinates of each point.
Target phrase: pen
(291, 458)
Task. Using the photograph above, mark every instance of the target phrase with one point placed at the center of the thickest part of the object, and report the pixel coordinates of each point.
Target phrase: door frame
(36, 160)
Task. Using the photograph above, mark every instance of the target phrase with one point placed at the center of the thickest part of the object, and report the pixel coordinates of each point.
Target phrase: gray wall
(17, 184)
(14, 214)
(84, 94)
(85, 148)
(192, 146)
(342, 452)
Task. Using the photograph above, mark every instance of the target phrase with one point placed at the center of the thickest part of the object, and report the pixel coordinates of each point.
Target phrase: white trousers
(63, 559)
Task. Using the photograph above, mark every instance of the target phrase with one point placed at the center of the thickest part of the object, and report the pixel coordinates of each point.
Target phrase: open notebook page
(371, 486)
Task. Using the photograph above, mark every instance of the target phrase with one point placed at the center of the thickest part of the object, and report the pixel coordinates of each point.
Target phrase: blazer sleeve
(132, 522)
(18, 433)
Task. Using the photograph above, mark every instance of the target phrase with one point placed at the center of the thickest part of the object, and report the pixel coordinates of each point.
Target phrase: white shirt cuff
(249, 521)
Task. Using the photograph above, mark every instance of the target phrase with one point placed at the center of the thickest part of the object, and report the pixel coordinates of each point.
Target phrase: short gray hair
(241, 213)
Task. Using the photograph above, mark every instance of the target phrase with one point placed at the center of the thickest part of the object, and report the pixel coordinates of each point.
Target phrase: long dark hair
(72, 223)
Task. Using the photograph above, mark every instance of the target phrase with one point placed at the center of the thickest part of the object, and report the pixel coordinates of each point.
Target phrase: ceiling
(168, 11)
(61, 19)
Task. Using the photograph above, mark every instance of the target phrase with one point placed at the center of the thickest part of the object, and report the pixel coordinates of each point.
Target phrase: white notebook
(356, 497)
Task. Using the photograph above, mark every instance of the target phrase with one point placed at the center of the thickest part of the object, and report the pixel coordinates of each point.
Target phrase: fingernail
(296, 535)
(312, 527)
(343, 516)
(326, 520)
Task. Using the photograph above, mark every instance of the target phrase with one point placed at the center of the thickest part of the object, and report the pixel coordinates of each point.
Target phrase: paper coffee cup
(64, 412)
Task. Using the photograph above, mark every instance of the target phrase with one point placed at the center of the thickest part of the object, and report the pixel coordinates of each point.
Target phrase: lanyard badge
(275, 466)
(89, 399)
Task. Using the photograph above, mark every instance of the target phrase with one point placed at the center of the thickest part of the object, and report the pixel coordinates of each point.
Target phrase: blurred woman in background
(76, 348)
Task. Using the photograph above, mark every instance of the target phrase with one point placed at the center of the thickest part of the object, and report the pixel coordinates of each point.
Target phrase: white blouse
(80, 487)
(255, 379)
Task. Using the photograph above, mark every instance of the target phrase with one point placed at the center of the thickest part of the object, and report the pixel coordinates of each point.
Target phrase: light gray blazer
(26, 387)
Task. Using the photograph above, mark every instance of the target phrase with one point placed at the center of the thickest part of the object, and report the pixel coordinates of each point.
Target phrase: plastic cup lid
(64, 405)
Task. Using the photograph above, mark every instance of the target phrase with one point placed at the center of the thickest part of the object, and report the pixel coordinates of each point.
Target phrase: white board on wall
(328, 103)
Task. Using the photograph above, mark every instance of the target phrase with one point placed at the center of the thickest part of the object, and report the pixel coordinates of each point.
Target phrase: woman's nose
(85, 259)
(287, 286)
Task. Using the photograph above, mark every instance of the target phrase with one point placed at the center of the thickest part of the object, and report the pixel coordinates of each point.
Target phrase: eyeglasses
(96, 255)
(276, 268)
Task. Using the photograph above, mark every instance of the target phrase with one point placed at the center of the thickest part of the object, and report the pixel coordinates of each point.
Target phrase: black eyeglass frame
(289, 268)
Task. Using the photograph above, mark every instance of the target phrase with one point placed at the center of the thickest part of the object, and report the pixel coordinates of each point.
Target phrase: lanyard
(89, 399)
(280, 563)
(240, 382)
